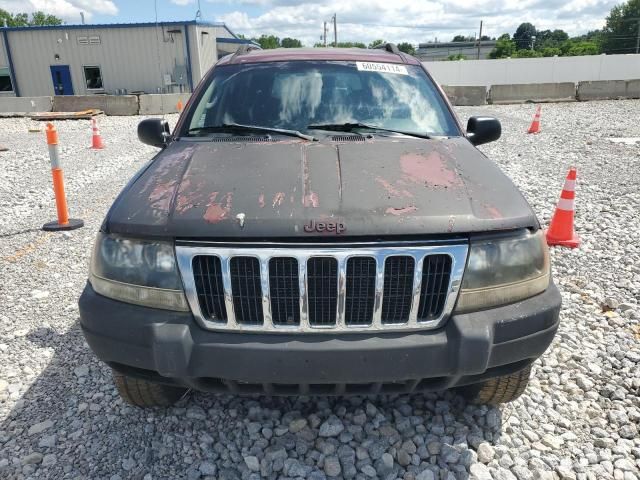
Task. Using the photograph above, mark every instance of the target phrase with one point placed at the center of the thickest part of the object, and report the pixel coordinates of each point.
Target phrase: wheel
(498, 390)
(142, 393)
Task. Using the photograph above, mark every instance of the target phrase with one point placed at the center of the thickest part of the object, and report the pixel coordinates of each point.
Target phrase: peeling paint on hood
(385, 186)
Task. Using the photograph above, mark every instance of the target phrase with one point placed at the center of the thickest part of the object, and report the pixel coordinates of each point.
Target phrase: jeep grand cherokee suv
(319, 222)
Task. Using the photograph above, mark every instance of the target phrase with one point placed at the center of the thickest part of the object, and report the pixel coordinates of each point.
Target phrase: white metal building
(167, 57)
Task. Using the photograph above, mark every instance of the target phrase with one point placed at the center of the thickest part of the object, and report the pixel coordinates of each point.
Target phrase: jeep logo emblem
(320, 227)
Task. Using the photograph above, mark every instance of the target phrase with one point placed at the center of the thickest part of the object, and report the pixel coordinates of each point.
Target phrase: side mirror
(154, 132)
(483, 130)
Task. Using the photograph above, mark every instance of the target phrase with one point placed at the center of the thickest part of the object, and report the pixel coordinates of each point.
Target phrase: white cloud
(68, 10)
(182, 2)
(410, 20)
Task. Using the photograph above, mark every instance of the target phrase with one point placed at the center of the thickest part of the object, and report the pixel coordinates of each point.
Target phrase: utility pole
(638, 37)
(324, 35)
(335, 31)
(479, 39)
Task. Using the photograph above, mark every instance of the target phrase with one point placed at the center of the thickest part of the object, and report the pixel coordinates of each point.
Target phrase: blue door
(61, 77)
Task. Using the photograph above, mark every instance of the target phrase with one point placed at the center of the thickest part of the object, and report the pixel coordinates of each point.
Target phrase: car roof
(300, 54)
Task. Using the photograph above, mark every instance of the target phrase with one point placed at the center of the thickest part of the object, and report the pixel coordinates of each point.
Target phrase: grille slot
(246, 290)
(284, 289)
(436, 273)
(322, 288)
(322, 285)
(207, 273)
(347, 138)
(242, 139)
(361, 290)
(398, 289)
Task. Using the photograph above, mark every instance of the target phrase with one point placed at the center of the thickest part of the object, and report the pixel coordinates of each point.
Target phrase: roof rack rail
(389, 47)
(245, 48)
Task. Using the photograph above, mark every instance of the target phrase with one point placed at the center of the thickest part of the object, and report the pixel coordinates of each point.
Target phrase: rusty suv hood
(381, 187)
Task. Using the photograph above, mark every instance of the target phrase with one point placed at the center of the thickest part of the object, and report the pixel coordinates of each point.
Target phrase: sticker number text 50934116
(382, 68)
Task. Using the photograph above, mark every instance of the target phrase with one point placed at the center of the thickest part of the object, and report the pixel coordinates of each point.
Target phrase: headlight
(504, 270)
(137, 271)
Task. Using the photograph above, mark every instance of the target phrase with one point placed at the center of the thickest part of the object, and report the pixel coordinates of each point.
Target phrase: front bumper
(170, 347)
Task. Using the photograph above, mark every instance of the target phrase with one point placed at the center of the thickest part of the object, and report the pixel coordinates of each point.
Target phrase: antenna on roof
(198, 12)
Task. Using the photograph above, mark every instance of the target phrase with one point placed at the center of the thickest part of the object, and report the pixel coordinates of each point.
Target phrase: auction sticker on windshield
(382, 67)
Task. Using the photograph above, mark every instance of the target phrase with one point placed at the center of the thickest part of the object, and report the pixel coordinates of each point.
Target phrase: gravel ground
(60, 416)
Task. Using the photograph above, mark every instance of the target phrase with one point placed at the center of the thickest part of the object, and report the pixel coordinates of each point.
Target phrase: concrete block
(25, 104)
(158, 104)
(533, 92)
(608, 89)
(466, 95)
(109, 104)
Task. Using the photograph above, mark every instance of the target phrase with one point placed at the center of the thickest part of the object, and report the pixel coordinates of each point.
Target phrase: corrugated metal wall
(208, 50)
(132, 58)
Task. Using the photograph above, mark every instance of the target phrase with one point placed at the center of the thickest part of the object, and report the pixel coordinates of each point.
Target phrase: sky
(413, 21)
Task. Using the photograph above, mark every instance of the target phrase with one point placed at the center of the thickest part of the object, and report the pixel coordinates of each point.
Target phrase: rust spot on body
(401, 211)
(160, 196)
(311, 200)
(493, 212)
(277, 199)
(428, 169)
(216, 211)
(392, 190)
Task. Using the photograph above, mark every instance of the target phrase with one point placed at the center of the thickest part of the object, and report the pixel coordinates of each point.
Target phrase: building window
(93, 77)
(5, 80)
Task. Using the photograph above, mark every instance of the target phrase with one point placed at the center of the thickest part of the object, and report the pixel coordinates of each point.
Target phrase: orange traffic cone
(179, 106)
(96, 139)
(535, 125)
(561, 231)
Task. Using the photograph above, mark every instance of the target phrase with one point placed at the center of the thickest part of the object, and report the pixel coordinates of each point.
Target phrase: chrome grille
(296, 288)
(207, 272)
(398, 289)
(361, 291)
(246, 290)
(285, 294)
(322, 290)
(435, 273)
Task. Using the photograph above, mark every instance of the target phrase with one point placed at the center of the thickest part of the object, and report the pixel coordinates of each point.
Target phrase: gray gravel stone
(332, 466)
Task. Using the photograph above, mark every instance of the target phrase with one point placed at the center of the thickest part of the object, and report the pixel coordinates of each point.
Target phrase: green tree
(23, 20)
(621, 28)
(407, 48)
(351, 45)
(267, 41)
(375, 43)
(524, 36)
(462, 38)
(574, 48)
(526, 54)
(290, 43)
(455, 56)
(550, 52)
(550, 39)
(505, 47)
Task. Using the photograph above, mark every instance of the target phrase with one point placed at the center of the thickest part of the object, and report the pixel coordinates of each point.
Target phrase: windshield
(298, 94)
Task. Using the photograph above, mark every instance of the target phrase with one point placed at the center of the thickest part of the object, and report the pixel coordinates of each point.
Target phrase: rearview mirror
(154, 132)
(483, 130)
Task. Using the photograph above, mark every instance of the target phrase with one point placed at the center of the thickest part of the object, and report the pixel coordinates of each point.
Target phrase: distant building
(429, 52)
(168, 57)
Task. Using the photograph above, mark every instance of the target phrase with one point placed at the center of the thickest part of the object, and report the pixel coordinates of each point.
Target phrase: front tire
(142, 393)
(498, 390)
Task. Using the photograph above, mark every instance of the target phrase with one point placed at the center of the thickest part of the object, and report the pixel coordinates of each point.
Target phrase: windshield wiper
(236, 127)
(348, 127)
